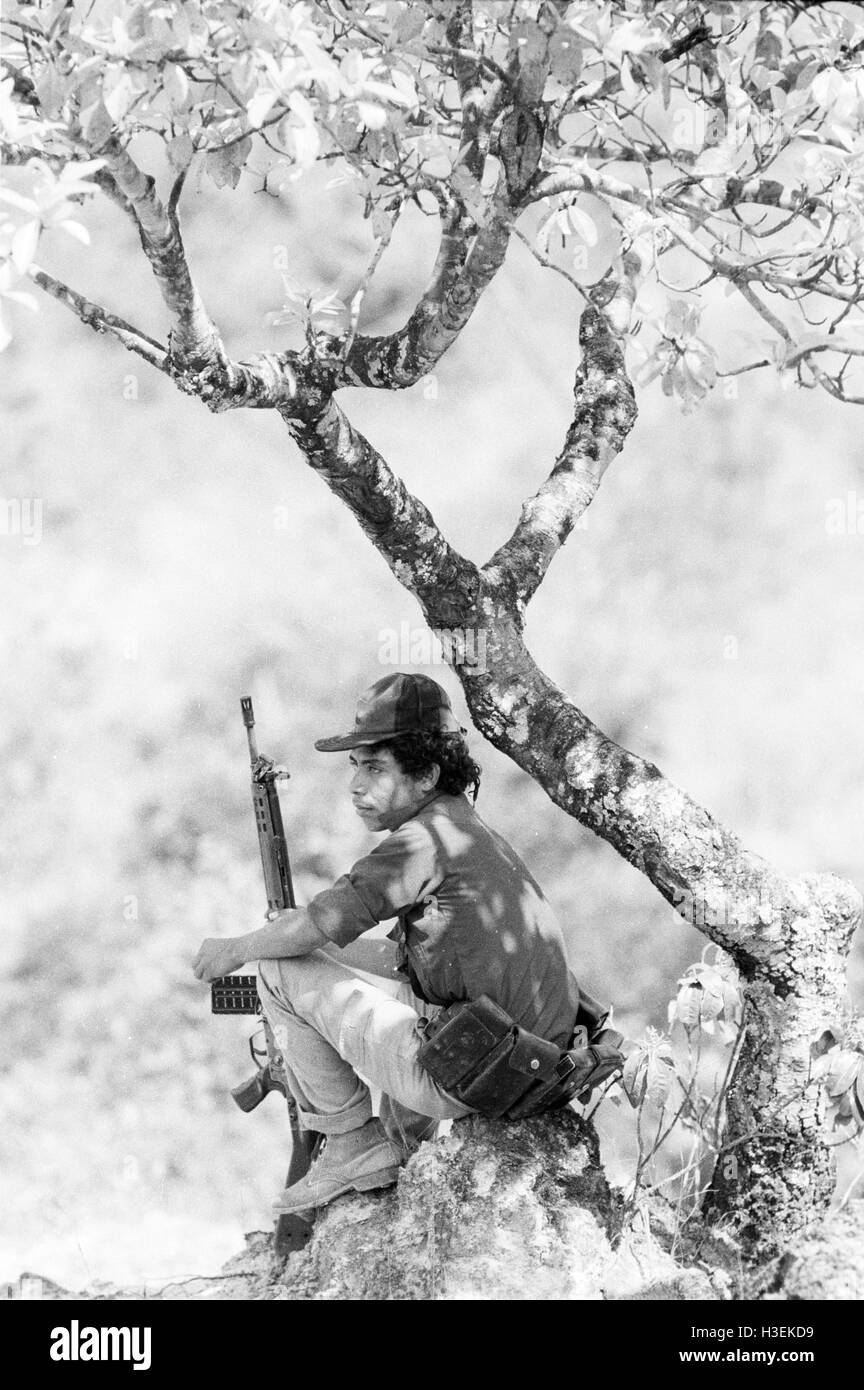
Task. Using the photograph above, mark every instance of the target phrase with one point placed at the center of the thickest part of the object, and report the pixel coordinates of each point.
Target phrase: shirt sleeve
(397, 874)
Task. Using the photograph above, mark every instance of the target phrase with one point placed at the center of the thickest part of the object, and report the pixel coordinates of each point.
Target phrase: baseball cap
(395, 705)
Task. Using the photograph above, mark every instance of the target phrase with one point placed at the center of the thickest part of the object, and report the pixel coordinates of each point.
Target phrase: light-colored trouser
(339, 1029)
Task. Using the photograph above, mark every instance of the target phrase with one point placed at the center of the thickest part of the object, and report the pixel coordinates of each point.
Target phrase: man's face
(384, 795)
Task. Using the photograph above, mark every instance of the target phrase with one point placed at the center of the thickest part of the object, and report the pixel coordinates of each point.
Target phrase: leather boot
(358, 1161)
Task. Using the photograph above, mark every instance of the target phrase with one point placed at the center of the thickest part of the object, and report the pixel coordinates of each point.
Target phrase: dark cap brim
(344, 742)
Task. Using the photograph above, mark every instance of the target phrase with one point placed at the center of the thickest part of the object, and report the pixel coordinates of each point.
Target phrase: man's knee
(272, 980)
(284, 980)
(267, 974)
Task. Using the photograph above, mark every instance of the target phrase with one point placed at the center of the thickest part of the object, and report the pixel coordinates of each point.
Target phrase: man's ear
(430, 778)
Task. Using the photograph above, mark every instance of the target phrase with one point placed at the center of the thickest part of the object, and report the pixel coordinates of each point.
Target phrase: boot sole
(384, 1177)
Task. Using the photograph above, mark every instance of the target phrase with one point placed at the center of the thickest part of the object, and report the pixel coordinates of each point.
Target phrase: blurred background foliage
(705, 616)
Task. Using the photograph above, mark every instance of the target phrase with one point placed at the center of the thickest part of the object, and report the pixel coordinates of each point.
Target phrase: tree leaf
(75, 229)
(225, 165)
(24, 243)
(180, 151)
(658, 76)
(829, 1038)
(634, 1078)
(118, 95)
(52, 90)
(409, 24)
(9, 121)
(582, 225)
(17, 200)
(565, 56)
(688, 1004)
(372, 116)
(175, 84)
(660, 1071)
(260, 105)
(842, 1073)
(466, 187)
(97, 124)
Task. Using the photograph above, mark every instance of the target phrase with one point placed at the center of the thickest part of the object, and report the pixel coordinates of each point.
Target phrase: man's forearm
(291, 933)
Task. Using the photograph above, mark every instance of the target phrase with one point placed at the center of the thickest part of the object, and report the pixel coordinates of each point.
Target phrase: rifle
(238, 994)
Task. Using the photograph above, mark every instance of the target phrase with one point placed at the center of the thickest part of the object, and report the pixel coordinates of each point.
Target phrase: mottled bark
(195, 339)
(269, 381)
(396, 522)
(100, 319)
(693, 195)
(768, 193)
(604, 413)
(777, 1166)
(789, 938)
(397, 360)
(470, 254)
(467, 71)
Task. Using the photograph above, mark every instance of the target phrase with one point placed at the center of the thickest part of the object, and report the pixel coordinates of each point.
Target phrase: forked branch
(604, 414)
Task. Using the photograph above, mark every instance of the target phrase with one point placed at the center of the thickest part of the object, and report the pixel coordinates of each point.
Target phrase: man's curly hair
(418, 752)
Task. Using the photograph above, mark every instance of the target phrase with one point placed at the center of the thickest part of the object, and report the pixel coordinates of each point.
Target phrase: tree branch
(769, 193)
(15, 155)
(699, 34)
(397, 360)
(733, 896)
(268, 381)
(466, 70)
(195, 341)
(756, 191)
(696, 863)
(549, 264)
(461, 274)
(101, 320)
(399, 525)
(605, 412)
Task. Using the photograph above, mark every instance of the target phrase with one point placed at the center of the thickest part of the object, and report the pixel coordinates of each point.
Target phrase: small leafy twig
(359, 294)
(549, 264)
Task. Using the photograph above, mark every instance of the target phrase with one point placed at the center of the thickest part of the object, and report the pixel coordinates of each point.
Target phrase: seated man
(471, 921)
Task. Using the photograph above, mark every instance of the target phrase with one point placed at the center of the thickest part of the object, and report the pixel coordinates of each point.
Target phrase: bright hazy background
(705, 616)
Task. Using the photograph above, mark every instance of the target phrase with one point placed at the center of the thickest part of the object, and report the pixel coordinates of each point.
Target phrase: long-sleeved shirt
(471, 920)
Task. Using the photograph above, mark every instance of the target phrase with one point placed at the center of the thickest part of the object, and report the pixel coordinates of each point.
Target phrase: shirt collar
(415, 810)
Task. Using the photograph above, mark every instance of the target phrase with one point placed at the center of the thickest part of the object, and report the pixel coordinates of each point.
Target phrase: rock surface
(491, 1211)
(497, 1211)
(826, 1265)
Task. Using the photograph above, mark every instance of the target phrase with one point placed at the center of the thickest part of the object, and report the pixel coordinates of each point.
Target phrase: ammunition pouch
(476, 1052)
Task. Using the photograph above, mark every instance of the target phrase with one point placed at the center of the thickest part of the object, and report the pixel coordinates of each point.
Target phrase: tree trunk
(790, 938)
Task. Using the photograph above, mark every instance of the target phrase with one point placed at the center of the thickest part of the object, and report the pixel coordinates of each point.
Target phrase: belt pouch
(591, 1066)
(460, 1038)
(512, 1068)
(478, 1054)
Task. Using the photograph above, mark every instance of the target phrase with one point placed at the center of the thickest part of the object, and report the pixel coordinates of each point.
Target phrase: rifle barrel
(249, 721)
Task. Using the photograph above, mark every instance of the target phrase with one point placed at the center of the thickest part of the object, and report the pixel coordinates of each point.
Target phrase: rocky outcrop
(491, 1211)
(496, 1211)
(826, 1265)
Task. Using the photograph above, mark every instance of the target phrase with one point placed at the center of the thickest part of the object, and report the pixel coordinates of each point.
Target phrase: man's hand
(218, 956)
